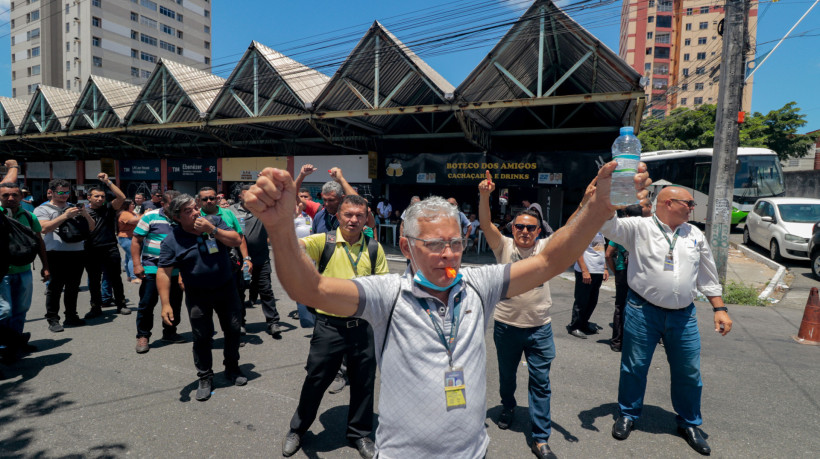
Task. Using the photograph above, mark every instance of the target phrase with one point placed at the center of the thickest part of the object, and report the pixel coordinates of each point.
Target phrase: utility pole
(727, 133)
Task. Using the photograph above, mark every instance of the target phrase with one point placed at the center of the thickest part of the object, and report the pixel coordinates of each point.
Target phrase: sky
(320, 33)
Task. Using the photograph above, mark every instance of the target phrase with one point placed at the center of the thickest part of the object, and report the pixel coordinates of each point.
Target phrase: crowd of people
(423, 328)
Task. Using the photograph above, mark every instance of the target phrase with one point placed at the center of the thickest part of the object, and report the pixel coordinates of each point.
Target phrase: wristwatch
(213, 233)
(247, 258)
(722, 308)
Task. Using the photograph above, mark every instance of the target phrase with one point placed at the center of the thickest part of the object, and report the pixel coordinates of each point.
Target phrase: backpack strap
(327, 253)
(389, 320)
(373, 251)
(28, 217)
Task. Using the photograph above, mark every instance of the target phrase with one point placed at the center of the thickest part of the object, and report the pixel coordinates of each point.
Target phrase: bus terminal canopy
(547, 78)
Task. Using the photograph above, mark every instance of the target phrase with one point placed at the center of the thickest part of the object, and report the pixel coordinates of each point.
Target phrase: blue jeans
(539, 349)
(15, 299)
(644, 325)
(128, 263)
(306, 318)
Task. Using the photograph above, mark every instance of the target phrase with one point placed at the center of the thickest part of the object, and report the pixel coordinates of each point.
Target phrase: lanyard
(330, 220)
(674, 239)
(449, 345)
(354, 263)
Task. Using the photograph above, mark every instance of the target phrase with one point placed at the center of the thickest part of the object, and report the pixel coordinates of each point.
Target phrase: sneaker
(93, 313)
(273, 330)
(337, 385)
(142, 345)
(54, 326)
(73, 321)
(236, 377)
(173, 338)
(203, 392)
(123, 310)
(505, 419)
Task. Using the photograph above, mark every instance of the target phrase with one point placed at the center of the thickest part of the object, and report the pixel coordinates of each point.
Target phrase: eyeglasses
(61, 193)
(209, 198)
(689, 203)
(530, 228)
(437, 245)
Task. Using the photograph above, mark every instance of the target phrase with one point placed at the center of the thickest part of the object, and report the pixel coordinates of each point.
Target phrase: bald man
(669, 259)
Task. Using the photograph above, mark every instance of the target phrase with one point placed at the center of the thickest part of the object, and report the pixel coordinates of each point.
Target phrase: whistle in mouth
(451, 273)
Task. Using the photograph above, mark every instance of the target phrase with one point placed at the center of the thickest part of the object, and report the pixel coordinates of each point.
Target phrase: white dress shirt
(694, 267)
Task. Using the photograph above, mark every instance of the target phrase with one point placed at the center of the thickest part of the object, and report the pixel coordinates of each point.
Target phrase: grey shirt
(413, 416)
(48, 212)
(254, 231)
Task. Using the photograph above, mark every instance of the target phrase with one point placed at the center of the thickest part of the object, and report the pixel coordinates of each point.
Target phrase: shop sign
(550, 178)
(38, 170)
(192, 169)
(459, 169)
(140, 169)
(248, 169)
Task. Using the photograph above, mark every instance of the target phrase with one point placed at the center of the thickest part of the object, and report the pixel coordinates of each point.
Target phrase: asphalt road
(86, 393)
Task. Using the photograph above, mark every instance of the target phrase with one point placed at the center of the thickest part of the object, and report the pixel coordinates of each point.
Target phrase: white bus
(757, 175)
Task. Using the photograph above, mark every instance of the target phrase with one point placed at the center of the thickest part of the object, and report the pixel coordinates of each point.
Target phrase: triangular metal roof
(570, 61)
(174, 92)
(50, 110)
(306, 82)
(100, 99)
(381, 71)
(11, 117)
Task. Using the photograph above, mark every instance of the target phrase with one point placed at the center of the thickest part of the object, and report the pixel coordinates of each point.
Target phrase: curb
(778, 275)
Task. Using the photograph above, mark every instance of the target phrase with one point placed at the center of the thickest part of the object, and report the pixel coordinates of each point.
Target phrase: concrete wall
(802, 184)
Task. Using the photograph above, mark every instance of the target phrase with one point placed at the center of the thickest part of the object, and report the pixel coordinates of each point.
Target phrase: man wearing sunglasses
(669, 260)
(429, 322)
(522, 323)
(65, 259)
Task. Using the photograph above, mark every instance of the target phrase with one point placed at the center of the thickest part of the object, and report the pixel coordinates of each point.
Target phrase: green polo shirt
(34, 226)
(228, 217)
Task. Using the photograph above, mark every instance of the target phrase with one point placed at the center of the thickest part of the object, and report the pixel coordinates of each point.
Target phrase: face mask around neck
(424, 282)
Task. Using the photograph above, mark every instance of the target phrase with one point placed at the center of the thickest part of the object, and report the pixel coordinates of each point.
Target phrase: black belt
(341, 322)
(652, 304)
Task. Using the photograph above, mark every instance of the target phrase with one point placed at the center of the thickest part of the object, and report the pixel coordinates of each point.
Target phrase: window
(35, 69)
(647, 67)
(703, 25)
(66, 8)
(68, 65)
(648, 51)
(179, 34)
(688, 11)
(661, 53)
(179, 17)
(97, 3)
(95, 41)
(168, 29)
(32, 88)
(135, 17)
(207, 45)
(35, 15)
(686, 57)
(648, 35)
(664, 21)
(149, 4)
(34, 33)
(684, 87)
(145, 74)
(650, 19)
(687, 41)
(133, 53)
(147, 39)
(698, 86)
(179, 51)
(35, 51)
(12, 40)
(67, 46)
(208, 60)
(657, 98)
(651, 3)
(700, 70)
(683, 100)
(658, 113)
(135, 35)
(12, 23)
(661, 69)
(167, 46)
(688, 26)
(662, 38)
(96, 22)
(167, 12)
(698, 100)
(148, 22)
(207, 29)
(702, 40)
(13, 90)
(135, 72)
(665, 5)
(67, 27)
(148, 57)
(660, 83)
(701, 56)
(704, 9)
(13, 75)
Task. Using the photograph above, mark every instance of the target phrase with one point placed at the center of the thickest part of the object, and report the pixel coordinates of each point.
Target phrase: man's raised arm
(491, 233)
(569, 242)
(271, 201)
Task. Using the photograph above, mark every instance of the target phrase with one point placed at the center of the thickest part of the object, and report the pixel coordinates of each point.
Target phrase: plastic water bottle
(242, 224)
(246, 273)
(627, 152)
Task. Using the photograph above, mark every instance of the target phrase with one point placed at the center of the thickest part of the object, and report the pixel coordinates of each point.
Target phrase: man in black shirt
(199, 247)
(102, 253)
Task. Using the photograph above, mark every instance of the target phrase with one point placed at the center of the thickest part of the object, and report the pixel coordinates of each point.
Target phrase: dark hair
(126, 204)
(9, 185)
(141, 194)
(205, 188)
(169, 195)
(634, 210)
(531, 212)
(58, 183)
(303, 190)
(353, 199)
(94, 188)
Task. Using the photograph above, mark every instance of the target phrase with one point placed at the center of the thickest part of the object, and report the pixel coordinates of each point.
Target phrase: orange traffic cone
(809, 332)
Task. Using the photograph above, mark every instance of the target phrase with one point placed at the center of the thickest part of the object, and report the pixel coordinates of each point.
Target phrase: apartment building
(62, 42)
(677, 46)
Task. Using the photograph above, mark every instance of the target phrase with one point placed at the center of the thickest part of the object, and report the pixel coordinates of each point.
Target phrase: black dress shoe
(695, 440)
(615, 347)
(578, 334)
(622, 428)
(365, 447)
(291, 443)
(543, 451)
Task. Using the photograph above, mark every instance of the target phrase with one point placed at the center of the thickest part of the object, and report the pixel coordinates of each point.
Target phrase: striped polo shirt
(154, 226)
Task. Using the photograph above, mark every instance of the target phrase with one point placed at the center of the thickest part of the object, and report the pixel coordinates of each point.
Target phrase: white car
(783, 225)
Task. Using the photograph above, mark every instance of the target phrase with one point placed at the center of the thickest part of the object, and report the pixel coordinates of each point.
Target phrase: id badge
(669, 262)
(211, 245)
(454, 388)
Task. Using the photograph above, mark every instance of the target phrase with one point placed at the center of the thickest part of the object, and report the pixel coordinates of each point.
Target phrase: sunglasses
(689, 202)
(209, 198)
(530, 228)
(61, 193)
(437, 245)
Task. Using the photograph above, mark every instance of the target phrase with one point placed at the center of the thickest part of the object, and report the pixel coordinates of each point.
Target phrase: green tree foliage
(686, 129)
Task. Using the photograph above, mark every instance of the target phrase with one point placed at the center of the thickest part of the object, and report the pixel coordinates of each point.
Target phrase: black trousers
(149, 296)
(97, 260)
(261, 285)
(202, 303)
(66, 270)
(333, 338)
(621, 289)
(586, 298)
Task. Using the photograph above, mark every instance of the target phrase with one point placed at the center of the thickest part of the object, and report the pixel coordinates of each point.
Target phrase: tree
(686, 129)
